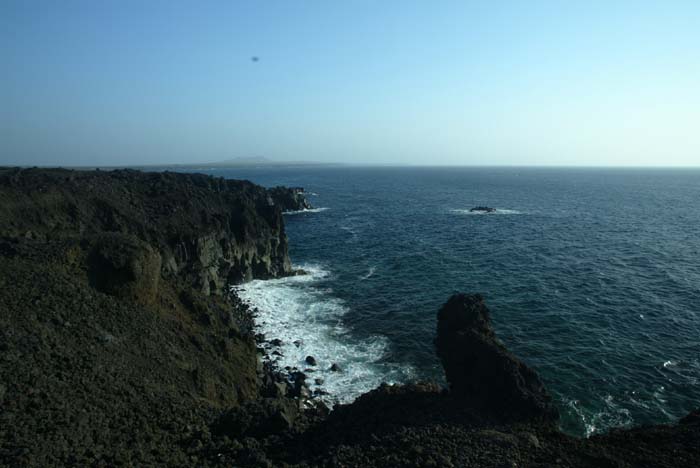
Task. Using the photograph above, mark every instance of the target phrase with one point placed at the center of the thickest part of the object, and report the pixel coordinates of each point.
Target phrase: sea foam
(308, 319)
(368, 275)
(305, 210)
(610, 414)
(499, 211)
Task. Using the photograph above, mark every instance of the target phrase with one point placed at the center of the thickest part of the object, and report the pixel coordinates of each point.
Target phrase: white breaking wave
(499, 211)
(305, 210)
(612, 415)
(309, 322)
(368, 274)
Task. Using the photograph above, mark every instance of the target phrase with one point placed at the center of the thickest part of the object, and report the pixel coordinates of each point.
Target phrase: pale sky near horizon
(476, 83)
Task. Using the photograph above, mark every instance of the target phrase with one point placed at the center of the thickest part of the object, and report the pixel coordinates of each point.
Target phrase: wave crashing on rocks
(299, 318)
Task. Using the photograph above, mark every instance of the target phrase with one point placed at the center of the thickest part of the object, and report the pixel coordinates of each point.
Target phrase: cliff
(119, 345)
(290, 199)
(117, 335)
(208, 232)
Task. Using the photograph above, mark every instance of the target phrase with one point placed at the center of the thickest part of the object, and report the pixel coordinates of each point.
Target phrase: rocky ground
(120, 346)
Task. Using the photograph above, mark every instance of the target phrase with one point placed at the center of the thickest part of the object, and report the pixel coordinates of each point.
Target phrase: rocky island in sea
(121, 344)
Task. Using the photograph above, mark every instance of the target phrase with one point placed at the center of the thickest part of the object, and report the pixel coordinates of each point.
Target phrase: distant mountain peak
(246, 160)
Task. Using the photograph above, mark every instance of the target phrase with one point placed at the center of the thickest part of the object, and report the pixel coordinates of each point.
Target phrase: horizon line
(299, 164)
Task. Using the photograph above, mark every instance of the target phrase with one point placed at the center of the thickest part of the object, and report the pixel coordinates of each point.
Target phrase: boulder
(123, 266)
(259, 418)
(479, 368)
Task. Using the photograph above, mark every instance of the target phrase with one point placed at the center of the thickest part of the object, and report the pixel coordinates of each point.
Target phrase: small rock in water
(310, 360)
(335, 368)
(318, 381)
(297, 343)
(298, 387)
(483, 209)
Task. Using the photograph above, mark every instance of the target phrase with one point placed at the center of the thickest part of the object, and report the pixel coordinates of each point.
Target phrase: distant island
(247, 162)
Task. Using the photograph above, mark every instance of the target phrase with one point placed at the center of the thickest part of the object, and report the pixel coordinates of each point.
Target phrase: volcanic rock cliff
(117, 335)
(208, 232)
(290, 199)
(120, 346)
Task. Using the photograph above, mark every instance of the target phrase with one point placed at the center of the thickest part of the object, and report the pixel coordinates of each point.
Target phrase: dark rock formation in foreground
(118, 341)
(120, 347)
(480, 369)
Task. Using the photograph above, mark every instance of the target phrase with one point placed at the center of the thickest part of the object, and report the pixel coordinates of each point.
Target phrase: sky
(589, 83)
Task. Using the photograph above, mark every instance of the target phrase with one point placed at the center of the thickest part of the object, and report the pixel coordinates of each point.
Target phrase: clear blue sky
(520, 82)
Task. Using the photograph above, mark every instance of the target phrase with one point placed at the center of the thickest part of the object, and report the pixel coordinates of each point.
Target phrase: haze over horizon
(446, 83)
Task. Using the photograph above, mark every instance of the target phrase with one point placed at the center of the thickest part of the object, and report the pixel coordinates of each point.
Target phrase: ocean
(592, 277)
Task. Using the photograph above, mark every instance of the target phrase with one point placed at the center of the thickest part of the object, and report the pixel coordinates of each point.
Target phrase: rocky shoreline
(121, 345)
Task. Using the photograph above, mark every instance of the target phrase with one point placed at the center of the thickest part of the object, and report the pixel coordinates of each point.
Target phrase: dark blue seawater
(592, 277)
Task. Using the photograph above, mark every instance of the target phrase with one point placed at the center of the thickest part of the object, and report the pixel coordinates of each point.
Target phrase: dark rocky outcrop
(124, 266)
(482, 209)
(118, 337)
(209, 232)
(310, 360)
(290, 199)
(479, 368)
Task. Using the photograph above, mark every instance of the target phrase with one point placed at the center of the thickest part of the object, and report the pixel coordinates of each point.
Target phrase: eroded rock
(289, 199)
(124, 266)
(478, 367)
